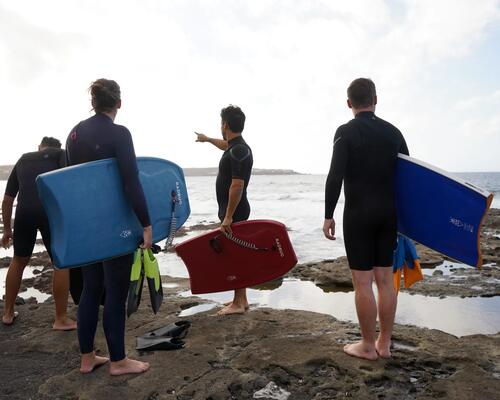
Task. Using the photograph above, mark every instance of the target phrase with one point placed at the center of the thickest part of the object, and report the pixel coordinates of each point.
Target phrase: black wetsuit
(235, 163)
(364, 157)
(94, 139)
(30, 215)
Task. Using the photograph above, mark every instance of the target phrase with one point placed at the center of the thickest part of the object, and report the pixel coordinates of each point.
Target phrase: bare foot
(128, 366)
(66, 324)
(9, 319)
(90, 362)
(360, 350)
(228, 303)
(232, 309)
(383, 349)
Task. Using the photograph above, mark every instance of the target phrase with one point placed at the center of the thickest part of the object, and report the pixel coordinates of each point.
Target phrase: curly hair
(105, 95)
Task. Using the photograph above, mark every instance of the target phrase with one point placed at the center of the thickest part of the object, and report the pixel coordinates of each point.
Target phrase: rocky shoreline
(277, 354)
(267, 353)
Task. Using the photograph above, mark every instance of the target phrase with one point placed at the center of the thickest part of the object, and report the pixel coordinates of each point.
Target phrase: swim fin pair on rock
(165, 338)
(145, 265)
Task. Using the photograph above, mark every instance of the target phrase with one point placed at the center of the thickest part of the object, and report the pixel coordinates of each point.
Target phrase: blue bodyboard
(439, 210)
(90, 218)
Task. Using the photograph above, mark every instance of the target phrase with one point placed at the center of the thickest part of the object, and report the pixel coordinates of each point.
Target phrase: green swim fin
(136, 284)
(152, 271)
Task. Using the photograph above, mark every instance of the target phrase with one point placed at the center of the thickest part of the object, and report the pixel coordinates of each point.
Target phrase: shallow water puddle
(453, 315)
(31, 292)
(197, 309)
(169, 285)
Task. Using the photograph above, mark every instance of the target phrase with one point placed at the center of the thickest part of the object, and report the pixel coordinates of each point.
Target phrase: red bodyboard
(216, 264)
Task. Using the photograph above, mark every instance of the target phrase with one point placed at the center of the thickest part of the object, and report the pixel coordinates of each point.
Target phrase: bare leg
(366, 309)
(238, 305)
(128, 366)
(387, 303)
(12, 285)
(90, 361)
(247, 306)
(60, 290)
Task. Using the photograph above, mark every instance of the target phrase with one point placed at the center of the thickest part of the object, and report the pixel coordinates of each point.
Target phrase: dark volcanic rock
(294, 352)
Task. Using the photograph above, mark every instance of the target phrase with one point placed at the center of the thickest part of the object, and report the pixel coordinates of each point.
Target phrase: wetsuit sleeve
(404, 148)
(127, 165)
(12, 187)
(241, 161)
(337, 172)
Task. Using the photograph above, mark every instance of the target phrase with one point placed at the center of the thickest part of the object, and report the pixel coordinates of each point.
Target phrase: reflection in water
(446, 267)
(453, 315)
(197, 309)
(31, 292)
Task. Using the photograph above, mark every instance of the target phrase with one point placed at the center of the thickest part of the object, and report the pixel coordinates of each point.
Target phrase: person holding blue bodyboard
(99, 138)
(365, 152)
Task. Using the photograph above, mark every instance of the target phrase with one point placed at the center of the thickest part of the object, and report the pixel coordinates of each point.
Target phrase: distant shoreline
(212, 171)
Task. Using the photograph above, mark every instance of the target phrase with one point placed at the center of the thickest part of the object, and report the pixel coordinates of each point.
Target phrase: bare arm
(219, 143)
(235, 192)
(7, 205)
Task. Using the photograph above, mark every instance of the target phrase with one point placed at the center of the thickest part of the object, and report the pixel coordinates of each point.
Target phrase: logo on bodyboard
(231, 278)
(178, 190)
(463, 225)
(126, 233)
(279, 248)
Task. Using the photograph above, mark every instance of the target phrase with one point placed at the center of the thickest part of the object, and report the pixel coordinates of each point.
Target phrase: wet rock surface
(266, 354)
(295, 354)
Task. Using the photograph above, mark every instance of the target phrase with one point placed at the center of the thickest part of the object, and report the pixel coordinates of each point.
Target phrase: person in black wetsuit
(94, 139)
(31, 218)
(235, 169)
(364, 157)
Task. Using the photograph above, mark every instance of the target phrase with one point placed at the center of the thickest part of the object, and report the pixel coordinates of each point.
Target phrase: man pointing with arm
(235, 169)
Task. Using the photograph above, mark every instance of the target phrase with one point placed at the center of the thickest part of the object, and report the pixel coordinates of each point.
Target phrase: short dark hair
(361, 92)
(105, 95)
(50, 142)
(234, 117)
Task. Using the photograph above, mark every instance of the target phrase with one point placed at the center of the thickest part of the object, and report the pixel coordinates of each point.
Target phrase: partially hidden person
(97, 138)
(30, 218)
(365, 152)
(235, 170)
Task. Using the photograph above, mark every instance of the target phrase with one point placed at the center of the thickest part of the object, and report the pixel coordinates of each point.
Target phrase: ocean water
(295, 200)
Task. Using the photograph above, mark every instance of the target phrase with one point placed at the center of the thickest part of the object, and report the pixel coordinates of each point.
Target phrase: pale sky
(287, 64)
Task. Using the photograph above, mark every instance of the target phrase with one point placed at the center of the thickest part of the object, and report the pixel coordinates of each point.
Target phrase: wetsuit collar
(236, 140)
(103, 117)
(365, 114)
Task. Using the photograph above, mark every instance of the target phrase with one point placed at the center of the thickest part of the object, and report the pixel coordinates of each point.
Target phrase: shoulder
(32, 155)
(122, 130)
(345, 131)
(389, 126)
(240, 151)
(54, 153)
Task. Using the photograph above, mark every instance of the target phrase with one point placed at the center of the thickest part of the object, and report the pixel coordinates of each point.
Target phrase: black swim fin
(152, 273)
(160, 343)
(136, 284)
(177, 329)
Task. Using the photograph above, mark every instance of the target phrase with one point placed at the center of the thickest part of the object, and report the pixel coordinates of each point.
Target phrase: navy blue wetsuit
(30, 215)
(94, 139)
(235, 163)
(364, 158)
